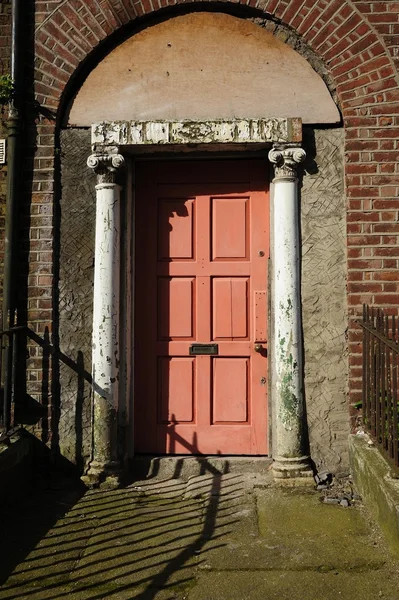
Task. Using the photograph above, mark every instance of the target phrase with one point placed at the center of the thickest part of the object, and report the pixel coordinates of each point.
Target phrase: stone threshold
(185, 467)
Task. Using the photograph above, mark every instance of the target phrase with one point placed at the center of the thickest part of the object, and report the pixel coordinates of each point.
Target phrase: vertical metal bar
(395, 399)
(389, 416)
(367, 380)
(387, 401)
(371, 424)
(13, 185)
(395, 407)
(2, 415)
(377, 432)
(364, 360)
(14, 372)
(382, 399)
(7, 385)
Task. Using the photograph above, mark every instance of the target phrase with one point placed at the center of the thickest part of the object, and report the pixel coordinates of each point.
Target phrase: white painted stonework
(106, 315)
(233, 131)
(106, 293)
(287, 355)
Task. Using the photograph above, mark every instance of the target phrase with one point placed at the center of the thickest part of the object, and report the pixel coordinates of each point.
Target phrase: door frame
(112, 407)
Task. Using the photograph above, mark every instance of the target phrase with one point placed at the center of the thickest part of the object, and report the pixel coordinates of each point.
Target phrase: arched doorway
(180, 85)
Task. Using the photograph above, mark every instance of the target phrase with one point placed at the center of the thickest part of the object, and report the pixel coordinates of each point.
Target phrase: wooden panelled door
(202, 245)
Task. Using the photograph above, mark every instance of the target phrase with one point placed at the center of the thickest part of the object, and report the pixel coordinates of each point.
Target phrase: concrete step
(185, 467)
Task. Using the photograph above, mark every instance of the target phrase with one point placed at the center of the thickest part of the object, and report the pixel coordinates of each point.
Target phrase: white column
(289, 431)
(105, 464)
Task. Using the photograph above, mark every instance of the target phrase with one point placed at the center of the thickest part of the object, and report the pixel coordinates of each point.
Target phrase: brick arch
(351, 47)
(336, 31)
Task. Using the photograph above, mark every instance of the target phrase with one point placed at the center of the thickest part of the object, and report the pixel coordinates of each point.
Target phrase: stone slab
(218, 537)
(300, 532)
(294, 585)
(379, 490)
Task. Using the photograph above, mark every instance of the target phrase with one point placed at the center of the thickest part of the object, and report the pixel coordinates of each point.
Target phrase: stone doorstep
(185, 467)
(379, 490)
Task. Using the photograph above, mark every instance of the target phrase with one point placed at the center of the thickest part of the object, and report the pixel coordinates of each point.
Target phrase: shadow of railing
(28, 518)
(134, 541)
(30, 390)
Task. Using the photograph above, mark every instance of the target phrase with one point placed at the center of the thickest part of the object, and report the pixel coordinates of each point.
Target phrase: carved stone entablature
(286, 160)
(105, 166)
(222, 131)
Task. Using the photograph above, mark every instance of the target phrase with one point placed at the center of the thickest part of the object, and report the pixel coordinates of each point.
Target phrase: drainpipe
(13, 176)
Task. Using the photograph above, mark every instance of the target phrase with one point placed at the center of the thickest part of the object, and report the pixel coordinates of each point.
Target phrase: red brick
(369, 98)
(386, 299)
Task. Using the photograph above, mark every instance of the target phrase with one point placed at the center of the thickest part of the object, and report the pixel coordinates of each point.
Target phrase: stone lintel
(229, 131)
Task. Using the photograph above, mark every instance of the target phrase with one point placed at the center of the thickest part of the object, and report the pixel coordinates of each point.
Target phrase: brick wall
(358, 41)
(384, 16)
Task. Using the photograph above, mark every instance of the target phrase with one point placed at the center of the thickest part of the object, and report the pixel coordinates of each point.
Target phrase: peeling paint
(286, 384)
(236, 131)
(287, 368)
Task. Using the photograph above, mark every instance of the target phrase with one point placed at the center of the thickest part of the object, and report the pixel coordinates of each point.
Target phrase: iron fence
(9, 359)
(380, 380)
(23, 354)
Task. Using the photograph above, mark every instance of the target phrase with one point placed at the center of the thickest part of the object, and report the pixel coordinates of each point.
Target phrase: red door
(202, 244)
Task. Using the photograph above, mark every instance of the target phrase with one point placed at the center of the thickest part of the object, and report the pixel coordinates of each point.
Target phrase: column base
(103, 475)
(293, 471)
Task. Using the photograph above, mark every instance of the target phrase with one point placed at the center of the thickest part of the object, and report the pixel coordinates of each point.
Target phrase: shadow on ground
(27, 520)
(143, 541)
(216, 536)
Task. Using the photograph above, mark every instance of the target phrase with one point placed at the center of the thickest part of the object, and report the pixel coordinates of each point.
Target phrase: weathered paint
(288, 387)
(105, 348)
(221, 131)
(288, 351)
(323, 296)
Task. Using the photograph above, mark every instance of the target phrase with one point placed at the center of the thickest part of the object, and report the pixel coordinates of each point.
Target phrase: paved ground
(229, 537)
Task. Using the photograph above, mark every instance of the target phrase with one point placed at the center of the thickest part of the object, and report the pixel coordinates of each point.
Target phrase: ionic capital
(105, 166)
(286, 160)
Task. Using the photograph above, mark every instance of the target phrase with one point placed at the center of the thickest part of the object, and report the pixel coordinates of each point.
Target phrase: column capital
(286, 159)
(105, 166)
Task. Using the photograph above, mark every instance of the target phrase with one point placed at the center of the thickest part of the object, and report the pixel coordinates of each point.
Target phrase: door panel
(175, 228)
(230, 390)
(230, 224)
(202, 243)
(175, 307)
(230, 307)
(176, 390)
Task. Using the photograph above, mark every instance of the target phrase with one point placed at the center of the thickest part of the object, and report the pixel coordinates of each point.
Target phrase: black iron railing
(9, 359)
(23, 354)
(380, 380)
(27, 359)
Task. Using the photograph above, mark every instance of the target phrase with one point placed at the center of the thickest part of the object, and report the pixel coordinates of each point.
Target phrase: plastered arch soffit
(202, 66)
(345, 41)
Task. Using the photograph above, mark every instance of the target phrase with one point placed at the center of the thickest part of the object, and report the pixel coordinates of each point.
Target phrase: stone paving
(214, 537)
